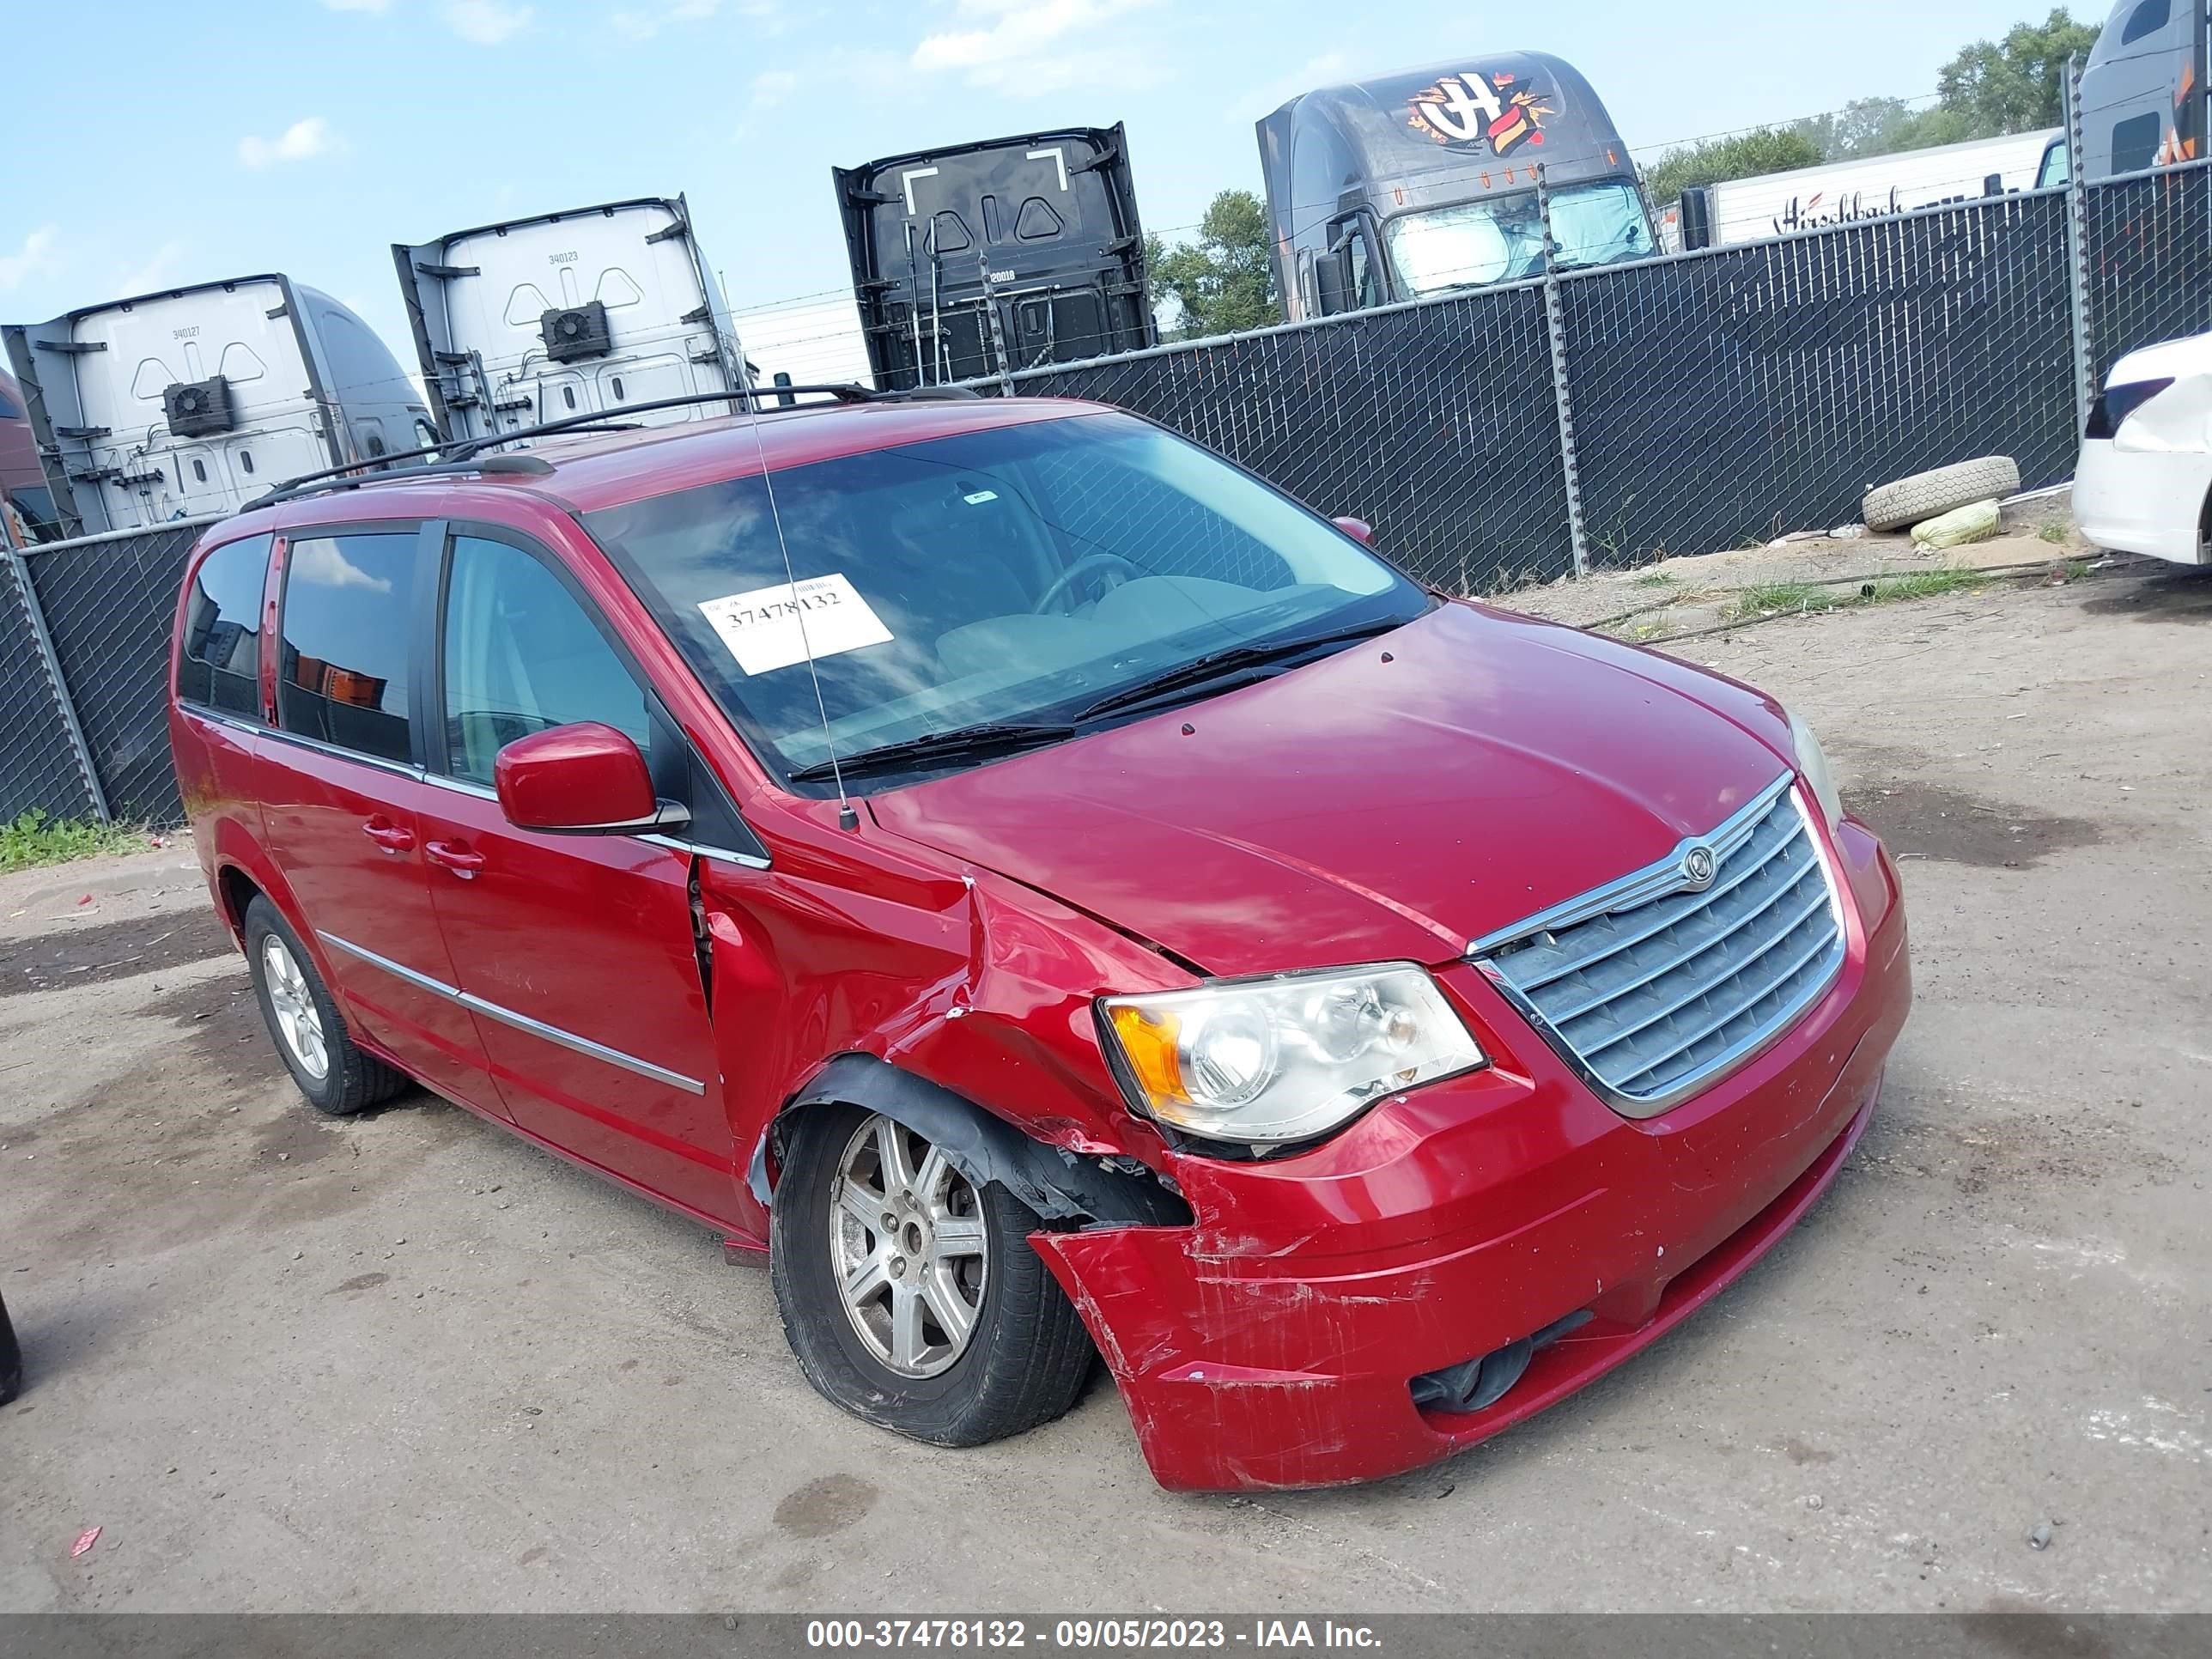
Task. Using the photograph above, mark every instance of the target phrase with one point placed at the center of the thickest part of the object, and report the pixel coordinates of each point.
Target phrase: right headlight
(1269, 1062)
(1812, 766)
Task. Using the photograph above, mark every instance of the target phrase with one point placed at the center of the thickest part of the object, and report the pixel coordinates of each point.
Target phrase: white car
(2144, 482)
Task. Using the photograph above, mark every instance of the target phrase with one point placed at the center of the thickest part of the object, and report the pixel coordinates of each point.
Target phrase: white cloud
(375, 7)
(320, 562)
(772, 87)
(644, 25)
(34, 256)
(487, 22)
(1327, 70)
(300, 142)
(153, 274)
(1031, 47)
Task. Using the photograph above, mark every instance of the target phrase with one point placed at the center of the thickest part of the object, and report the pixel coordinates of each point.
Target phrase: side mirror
(582, 780)
(1332, 279)
(1358, 529)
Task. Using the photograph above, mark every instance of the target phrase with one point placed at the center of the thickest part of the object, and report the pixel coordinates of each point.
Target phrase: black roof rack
(460, 457)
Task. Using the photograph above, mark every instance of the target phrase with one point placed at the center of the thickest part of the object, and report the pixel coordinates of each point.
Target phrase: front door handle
(458, 858)
(392, 837)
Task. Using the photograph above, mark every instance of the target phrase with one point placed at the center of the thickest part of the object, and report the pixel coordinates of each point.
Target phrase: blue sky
(146, 143)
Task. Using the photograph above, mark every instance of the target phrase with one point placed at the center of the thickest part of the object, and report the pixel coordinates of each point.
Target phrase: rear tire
(11, 1359)
(1024, 1356)
(304, 1021)
(1930, 494)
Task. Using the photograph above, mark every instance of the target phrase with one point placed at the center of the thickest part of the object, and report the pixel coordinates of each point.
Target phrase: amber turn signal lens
(1149, 1044)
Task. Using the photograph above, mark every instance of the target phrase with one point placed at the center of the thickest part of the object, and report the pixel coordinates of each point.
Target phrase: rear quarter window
(219, 664)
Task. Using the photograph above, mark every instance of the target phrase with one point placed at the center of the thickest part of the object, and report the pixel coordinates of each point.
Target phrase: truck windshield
(1017, 574)
(1473, 244)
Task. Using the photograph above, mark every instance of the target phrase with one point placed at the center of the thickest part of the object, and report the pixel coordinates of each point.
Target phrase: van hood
(1392, 802)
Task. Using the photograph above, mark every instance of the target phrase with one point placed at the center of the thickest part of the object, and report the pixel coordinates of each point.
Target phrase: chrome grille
(1656, 984)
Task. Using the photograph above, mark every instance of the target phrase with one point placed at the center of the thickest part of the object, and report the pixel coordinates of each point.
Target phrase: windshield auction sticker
(772, 628)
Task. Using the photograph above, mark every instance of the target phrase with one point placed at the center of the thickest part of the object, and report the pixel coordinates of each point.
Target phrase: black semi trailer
(1424, 181)
(1009, 254)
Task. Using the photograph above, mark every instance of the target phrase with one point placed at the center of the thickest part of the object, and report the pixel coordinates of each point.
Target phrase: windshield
(1472, 244)
(1017, 574)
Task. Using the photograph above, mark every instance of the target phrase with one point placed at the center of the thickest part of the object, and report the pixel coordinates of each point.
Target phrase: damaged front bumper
(1277, 1342)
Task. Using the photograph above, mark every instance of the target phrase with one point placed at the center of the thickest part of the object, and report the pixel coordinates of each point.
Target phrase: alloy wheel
(909, 1244)
(299, 1022)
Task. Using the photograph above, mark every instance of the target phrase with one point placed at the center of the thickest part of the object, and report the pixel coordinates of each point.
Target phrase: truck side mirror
(1696, 211)
(1333, 279)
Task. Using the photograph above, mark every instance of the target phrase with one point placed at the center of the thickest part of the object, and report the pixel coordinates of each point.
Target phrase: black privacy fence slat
(38, 766)
(1715, 398)
(1435, 423)
(2149, 254)
(1737, 395)
(110, 605)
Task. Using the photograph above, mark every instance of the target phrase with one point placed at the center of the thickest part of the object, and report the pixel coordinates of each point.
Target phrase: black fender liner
(1058, 1185)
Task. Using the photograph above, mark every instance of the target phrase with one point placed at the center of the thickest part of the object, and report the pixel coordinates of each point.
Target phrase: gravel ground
(406, 1363)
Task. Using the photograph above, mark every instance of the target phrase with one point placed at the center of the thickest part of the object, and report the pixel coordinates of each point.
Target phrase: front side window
(2136, 141)
(1474, 244)
(522, 656)
(1015, 575)
(220, 664)
(344, 674)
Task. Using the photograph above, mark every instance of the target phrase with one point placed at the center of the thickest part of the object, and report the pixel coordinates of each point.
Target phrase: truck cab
(195, 400)
(1424, 182)
(589, 309)
(2143, 93)
(981, 258)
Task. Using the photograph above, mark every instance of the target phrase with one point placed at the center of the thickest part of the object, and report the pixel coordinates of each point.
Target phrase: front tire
(304, 1021)
(911, 1295)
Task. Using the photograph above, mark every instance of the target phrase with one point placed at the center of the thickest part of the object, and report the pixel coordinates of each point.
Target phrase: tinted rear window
(220, 665)
(343, 676)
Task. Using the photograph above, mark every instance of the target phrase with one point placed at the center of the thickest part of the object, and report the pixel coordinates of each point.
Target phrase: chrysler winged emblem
(1698, 868)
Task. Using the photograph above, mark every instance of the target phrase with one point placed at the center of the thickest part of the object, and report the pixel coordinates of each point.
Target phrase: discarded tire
(1925, 495)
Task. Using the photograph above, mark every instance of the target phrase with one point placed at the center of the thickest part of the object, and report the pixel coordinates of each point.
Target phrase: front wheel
(910, 1293)
(337, 1077)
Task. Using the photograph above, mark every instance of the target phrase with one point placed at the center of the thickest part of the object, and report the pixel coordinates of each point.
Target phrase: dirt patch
(71, 957)
(220, 1020)
(1982, 1154)
(2185, 596)
(1917, 819)
(359, 1283)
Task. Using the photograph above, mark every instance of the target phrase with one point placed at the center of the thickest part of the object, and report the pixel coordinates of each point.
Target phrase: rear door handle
(459, 860)
(392, 837)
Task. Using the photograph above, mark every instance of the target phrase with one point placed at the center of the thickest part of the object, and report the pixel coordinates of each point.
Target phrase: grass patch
(1776, 599)
(1923, 585)
(1653, 579)
(2053, 531)
(34, 839)
(1770, 599)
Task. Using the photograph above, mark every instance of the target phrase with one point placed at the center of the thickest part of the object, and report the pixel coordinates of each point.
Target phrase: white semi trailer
(1845, 192)
(581, 312)
(195, 400)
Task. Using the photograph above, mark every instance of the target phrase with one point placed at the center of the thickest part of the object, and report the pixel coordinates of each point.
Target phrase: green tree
(1225, 282)
(1744, 155)
(2017, 84)
(1880, 126)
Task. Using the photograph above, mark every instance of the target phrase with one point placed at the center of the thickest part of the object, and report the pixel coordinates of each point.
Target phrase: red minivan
(1059, 898)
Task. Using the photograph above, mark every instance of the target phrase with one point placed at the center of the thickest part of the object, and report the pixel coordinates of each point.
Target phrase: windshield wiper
(1216, 663)
(960, 743)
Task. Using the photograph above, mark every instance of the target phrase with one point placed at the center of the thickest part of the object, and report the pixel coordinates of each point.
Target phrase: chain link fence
(1699, 401)
(86, 727)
